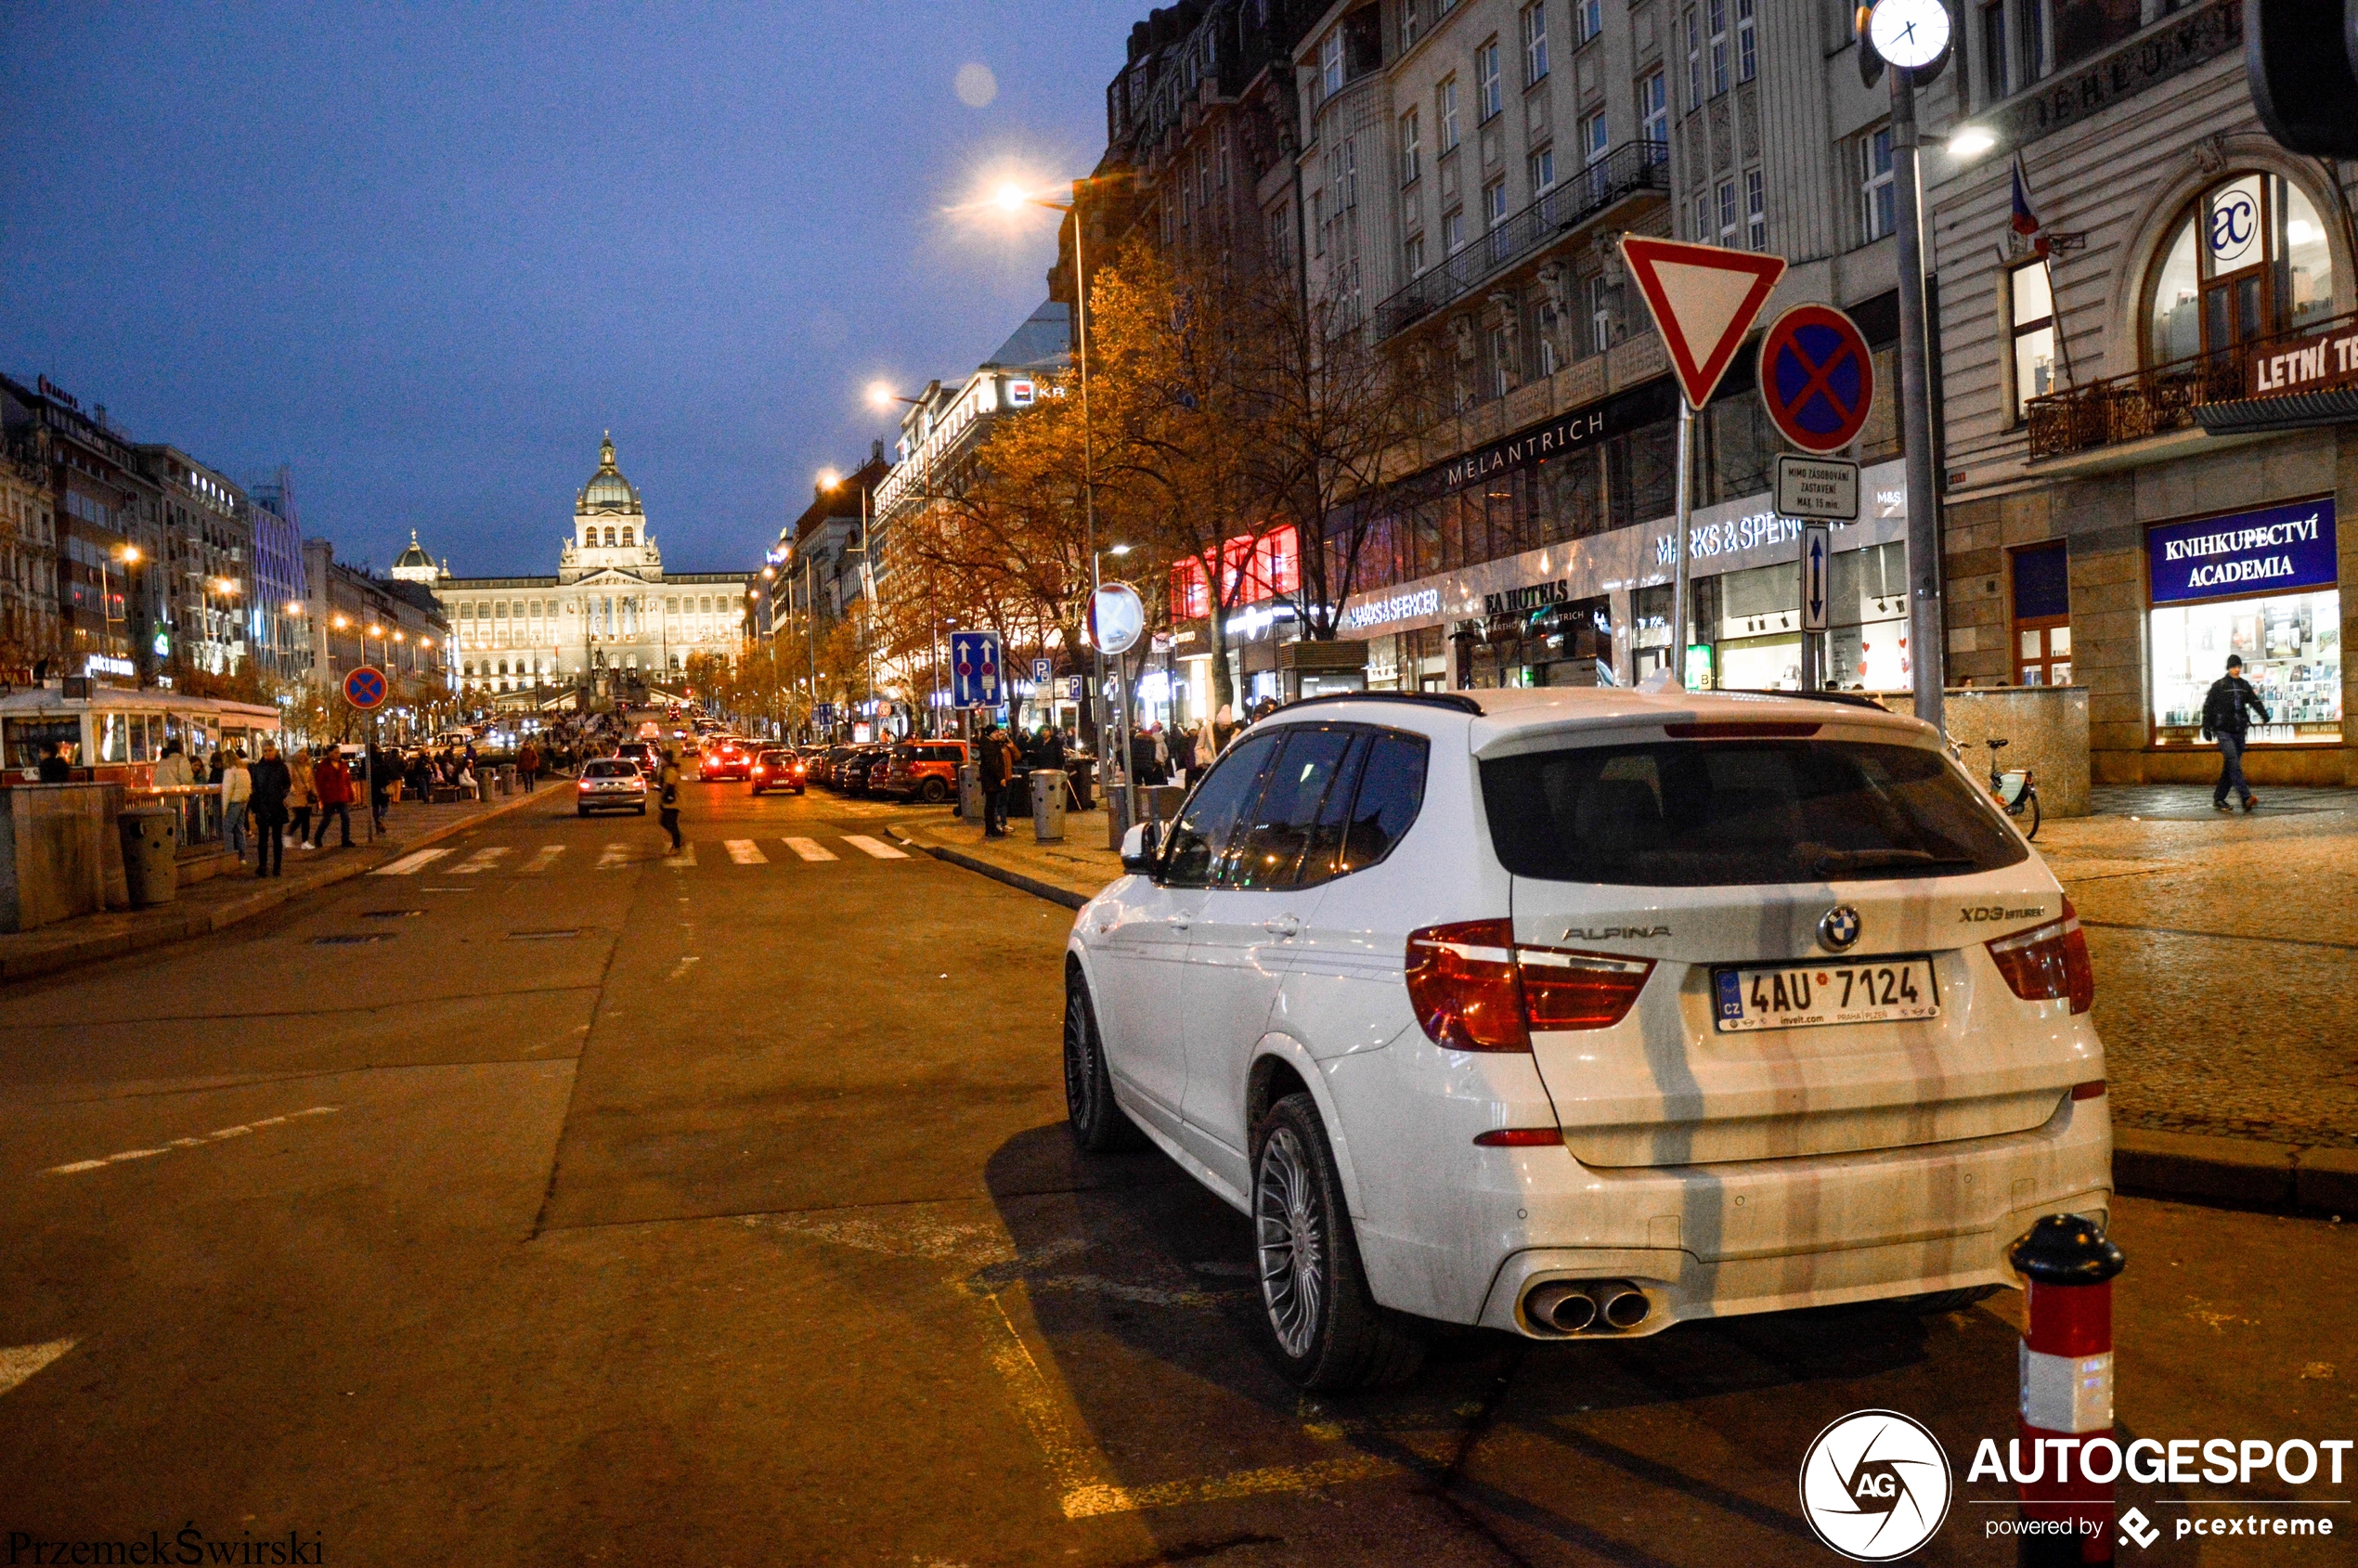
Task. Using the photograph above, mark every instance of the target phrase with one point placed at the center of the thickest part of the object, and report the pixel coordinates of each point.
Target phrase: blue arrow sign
(974, 670)
(1817, 554)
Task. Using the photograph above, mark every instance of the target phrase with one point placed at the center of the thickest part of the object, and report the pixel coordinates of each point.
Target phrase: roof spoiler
(1849, 699)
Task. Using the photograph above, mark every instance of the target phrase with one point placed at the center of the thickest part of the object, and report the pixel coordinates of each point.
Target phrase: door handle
(1181, 922)
(1282, 926)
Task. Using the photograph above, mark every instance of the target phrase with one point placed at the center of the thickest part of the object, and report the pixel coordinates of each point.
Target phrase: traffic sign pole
(1817, 569)
(1679, 585)
(1925, 632)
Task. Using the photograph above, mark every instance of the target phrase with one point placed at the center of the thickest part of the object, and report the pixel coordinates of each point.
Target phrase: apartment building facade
(2152, 399)
(1468, 171)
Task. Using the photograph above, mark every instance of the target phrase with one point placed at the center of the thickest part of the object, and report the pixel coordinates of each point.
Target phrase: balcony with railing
(1632, 170)
(2304, 377)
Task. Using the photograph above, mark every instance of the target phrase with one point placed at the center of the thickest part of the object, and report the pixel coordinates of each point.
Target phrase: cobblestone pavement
(2226, 952)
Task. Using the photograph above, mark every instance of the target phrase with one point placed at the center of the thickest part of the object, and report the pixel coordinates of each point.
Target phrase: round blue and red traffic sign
(1816, 378)
(364, 687)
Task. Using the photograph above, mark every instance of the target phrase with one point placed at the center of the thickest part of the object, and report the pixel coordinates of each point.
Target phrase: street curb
(2234, 1172)
(202, 923)
(1031, 885)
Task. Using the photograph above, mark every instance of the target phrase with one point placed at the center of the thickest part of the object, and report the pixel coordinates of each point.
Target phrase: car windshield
(1722, 813)
(611, 767)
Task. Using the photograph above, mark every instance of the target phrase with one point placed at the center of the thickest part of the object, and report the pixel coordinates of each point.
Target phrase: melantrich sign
(1566, 433)
(2277, 550)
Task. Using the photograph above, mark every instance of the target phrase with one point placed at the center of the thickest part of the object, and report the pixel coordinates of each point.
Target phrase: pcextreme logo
(1875, 1485)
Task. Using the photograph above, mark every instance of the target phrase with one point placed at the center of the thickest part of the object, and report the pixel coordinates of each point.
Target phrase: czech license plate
(1799, 995)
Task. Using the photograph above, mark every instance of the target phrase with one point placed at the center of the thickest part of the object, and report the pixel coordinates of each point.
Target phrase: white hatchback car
(1581, 1012)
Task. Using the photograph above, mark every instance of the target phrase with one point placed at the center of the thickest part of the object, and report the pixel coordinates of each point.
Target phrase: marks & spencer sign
(2279, 549)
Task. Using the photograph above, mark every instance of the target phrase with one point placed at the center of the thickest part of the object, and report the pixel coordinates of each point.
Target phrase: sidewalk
(237, 895)
(2226, 953)
(1069, 872)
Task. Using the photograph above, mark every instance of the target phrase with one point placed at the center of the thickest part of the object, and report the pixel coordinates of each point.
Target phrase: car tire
(1099, 1124)
(933, 792)
(1324, 1325)
(643, 810)
(584, 811)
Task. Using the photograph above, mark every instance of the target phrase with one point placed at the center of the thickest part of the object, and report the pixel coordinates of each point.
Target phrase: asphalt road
(557, 1203)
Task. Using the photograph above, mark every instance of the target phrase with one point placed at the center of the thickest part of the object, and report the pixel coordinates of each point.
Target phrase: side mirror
(1138, 848)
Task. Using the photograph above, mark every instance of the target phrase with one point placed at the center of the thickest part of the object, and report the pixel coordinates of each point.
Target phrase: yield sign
(1704, 300)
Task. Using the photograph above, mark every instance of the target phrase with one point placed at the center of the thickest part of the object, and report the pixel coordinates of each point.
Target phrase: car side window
(1193, 851)
(1321, 861)
(1391, 789)
(1265, 852)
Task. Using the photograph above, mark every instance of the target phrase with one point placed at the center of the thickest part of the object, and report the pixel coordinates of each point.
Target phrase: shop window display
(2291, 649)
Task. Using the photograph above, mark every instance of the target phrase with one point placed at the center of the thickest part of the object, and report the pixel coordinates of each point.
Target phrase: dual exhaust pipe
(1596, 1306)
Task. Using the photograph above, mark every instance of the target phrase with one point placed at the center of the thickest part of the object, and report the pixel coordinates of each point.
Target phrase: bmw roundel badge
(1840, 929)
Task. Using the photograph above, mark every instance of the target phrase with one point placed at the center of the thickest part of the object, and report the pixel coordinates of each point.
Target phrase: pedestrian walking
(172, 768)
(381, 776)
(270, 784)
(1224, 729)
(667, 798)
(237, 788)
(528, 766)
(2225, 711)
(1183, 753)
(333, 781)
(993, 765)
(302, 796)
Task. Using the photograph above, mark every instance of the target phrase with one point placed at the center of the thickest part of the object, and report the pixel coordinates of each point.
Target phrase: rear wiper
(1824, 861)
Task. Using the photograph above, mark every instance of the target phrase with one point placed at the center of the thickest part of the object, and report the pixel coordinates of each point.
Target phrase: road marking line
(875, 846)
(483, 860)
(20, 1362)
(745, 852)
(243, 1129)
(685, 858)
(548, 856)
(810, 850)
(409, 865)
(1089, 1502)
(680, 973)
(616, 854)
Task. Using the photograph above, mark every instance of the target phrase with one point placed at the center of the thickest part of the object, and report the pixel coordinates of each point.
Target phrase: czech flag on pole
(2025, 221)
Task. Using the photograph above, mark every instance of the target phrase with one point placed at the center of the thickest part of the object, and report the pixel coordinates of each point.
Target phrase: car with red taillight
(1581, 1012)
(730, 759)
(925, 771)
(778, 768)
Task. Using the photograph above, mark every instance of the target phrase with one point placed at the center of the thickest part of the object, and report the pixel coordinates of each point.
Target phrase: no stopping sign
(1816, 378)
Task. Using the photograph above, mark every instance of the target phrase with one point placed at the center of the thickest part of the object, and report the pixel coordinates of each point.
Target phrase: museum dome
(607, 490)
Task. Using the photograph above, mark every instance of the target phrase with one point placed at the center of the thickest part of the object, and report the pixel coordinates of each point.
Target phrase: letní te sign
(2308, 364)
(2277, 550)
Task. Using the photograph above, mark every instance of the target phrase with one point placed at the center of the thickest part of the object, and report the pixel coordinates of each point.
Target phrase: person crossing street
(2225, 719)
(667, 798)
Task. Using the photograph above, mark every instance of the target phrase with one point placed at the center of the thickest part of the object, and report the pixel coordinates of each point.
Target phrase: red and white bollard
(2067, 1392)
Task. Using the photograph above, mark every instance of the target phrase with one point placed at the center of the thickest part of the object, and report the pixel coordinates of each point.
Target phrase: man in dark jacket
(54, 768)
(267, 805)
(992, 769)
(2224, 719)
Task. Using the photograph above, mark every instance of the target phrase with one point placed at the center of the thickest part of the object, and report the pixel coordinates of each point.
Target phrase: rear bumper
(1758, 1236)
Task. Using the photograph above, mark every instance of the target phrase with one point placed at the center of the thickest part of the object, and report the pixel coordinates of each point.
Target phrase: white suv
(1579, 1013)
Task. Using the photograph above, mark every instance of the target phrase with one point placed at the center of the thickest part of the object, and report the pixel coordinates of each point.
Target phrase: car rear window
(1722, 813)
(610, 769)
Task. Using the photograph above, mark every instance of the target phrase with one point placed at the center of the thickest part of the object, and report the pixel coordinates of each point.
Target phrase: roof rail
(1457, 702)
(1850, 699)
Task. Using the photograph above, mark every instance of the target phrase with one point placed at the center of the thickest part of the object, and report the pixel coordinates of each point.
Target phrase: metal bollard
(2066, 1391)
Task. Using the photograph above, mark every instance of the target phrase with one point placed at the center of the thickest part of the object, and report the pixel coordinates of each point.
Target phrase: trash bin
(971, 792)
(1047, 804)
(483, 786)
(150, 841)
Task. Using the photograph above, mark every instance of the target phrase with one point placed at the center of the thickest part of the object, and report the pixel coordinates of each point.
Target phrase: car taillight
(583, 784)
(1475, 990)
(2047, 961)
(761, 770)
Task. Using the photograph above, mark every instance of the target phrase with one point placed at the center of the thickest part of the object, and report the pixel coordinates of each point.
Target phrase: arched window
(609, 537)
(625, 538)
(2247, 259)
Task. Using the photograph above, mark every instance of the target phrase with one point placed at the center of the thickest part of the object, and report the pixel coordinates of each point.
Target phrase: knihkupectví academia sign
(2279, 549)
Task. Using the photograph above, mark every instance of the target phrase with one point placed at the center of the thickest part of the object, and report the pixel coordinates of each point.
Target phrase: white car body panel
(1722, 1172)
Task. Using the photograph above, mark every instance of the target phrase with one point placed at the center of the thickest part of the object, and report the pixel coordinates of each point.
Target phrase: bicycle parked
(2018, 791)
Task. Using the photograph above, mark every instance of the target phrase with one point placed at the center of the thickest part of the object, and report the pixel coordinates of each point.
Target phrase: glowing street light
(829, 479)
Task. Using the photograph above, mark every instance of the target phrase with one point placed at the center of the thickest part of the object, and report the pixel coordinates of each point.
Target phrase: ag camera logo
(1875, 1485)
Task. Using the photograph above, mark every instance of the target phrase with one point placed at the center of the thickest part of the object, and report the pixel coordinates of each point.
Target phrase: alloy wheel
(1080, 1062)
(1290, 1232)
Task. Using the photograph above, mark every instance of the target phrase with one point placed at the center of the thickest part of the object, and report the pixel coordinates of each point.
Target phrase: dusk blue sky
(426, 255)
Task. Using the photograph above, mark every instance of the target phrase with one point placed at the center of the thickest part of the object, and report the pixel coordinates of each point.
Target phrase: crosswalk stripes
(875, 846)
(548, 856)
(810, 850)
(685, 858)
(616, 854)
(745, 852)
(409, 865)
(483, 860)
